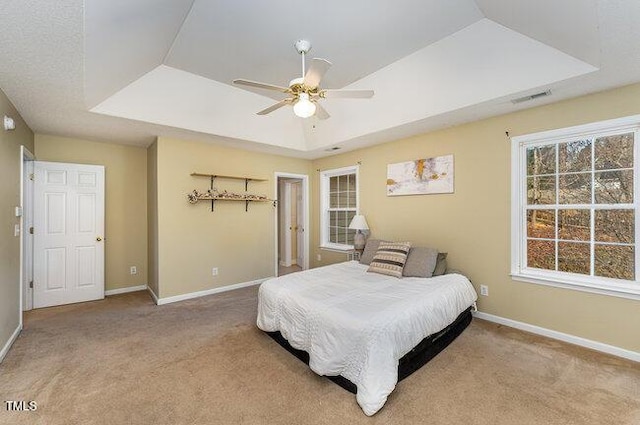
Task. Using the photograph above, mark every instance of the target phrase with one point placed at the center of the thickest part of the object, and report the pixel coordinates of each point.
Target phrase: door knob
(99, 238)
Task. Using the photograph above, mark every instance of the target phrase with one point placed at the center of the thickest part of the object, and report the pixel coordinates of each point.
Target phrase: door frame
(26, 205)
(304, 186)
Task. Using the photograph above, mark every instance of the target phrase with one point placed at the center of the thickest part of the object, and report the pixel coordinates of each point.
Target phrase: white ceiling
(126, 71)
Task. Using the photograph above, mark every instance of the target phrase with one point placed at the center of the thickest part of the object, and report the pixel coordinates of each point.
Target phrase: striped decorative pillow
(390, 258)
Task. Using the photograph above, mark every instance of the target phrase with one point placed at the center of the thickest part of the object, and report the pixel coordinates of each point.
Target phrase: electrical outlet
(214, 271)
(133, 270)
(16, 230)
(319, 257)
(484, 290)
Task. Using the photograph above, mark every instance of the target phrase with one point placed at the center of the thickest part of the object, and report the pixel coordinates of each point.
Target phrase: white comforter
(358, 324)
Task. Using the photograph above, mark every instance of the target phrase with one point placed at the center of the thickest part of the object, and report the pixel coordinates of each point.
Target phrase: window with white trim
(574, 217)
(339, 204)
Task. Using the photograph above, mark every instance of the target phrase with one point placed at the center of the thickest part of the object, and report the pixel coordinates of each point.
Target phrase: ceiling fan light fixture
(304, 93)
(304, 108)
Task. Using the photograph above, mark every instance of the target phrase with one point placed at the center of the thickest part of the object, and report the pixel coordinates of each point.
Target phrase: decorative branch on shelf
(210, 194)
(214, 194)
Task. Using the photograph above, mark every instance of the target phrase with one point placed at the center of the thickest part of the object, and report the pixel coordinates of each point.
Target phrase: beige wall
(152, 216)
(473, 224)
(126, 201)
(192, 239)
(10, 160)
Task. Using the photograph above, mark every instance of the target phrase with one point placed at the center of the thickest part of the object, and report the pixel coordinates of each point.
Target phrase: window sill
(337, 248)
(602, 287)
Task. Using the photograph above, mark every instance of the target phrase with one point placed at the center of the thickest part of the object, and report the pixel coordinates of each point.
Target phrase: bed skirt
(426, 349)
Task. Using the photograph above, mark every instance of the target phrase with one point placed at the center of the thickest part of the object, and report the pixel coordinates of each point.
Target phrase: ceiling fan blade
(321, 113)
(260, 85)
(316, 71)
(351, 94)
(276, 106)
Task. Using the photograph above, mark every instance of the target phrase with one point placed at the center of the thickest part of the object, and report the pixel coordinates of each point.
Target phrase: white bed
(359, 324)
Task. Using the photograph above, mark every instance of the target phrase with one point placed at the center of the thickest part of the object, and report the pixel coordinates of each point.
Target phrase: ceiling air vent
(531, 97)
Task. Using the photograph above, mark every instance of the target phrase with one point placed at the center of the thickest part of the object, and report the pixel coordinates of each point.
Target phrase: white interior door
(286, 194)
(68, 260)
(299, 224)
(294, 223)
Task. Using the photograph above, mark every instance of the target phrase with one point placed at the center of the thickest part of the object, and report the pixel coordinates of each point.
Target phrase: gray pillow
(420, 262)
(370, 250)
(441, 264)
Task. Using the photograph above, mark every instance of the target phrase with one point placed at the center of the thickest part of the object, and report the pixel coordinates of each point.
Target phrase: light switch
(18, 211)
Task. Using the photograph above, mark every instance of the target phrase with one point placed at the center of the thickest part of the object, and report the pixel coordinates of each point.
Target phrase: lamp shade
(304, 108)
(359, 223)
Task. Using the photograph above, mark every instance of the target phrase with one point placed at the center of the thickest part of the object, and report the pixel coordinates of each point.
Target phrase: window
(339, 203)
(574, 217)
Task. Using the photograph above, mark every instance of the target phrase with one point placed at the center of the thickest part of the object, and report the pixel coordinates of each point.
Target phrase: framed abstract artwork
(421, 177)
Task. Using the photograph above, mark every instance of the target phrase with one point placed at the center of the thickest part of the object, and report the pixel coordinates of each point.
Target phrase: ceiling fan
(305, 92)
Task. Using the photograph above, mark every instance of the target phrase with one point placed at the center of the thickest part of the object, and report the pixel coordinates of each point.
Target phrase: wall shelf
(213, 195)
(221, 176)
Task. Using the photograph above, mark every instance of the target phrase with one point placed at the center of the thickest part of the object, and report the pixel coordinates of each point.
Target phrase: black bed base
(426, 349)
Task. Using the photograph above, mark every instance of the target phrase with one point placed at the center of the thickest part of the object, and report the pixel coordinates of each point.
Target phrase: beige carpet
(126, 361)
(294, 268)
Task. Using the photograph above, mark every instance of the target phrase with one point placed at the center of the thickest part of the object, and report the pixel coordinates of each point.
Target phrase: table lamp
(359, 223)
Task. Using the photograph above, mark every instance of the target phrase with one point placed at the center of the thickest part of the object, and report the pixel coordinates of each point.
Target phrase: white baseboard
(125, 290)
(571, 339)
(10, 342)
(176, 298)
(153, 295)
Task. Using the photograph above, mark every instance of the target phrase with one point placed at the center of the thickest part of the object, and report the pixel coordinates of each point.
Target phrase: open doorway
(292, 221)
